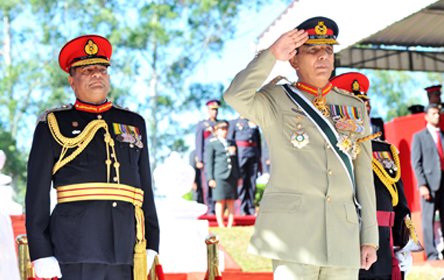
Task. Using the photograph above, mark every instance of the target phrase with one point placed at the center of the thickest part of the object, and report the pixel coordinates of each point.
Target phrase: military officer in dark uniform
(95, 155)
(247, 136)
(205, 129)
(391, 204)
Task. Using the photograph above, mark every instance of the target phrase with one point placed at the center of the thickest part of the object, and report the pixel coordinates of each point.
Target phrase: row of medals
(348, 129)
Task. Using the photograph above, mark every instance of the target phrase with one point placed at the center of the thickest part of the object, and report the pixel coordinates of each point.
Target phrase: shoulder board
(259, 53)
(381, 142)
(213, 139)
(277, 79)
(346, 93)
(125, 109)
(42, 117)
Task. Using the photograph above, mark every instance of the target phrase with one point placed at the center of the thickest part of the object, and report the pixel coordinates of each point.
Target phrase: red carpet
(225, 276)
(238, 220)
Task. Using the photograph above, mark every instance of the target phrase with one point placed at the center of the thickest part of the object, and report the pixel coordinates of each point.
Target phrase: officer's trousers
(87, 271)
(283, 270)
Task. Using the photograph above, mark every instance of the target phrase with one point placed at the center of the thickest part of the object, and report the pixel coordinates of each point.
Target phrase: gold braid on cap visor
(81, 142)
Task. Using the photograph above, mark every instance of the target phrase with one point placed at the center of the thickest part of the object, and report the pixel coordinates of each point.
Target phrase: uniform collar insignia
(91, 108)
(314, 90)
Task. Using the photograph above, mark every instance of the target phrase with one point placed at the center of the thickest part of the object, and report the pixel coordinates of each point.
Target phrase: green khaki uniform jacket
(307, 214)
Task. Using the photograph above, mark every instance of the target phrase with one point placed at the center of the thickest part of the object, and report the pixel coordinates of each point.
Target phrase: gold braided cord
(369, 137)
(389, 182)
(81, 141)
(395, 155)
(74, 141)
(411, 227)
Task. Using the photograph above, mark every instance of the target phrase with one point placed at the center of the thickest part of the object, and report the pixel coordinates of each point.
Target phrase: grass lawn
(235, 241)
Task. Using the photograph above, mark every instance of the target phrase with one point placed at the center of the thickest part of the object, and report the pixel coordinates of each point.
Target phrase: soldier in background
(434, 94)
(205, 129)
(247, 137)
(222, 171)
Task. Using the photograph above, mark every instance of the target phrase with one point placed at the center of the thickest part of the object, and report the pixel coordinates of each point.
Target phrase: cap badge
(91, 48)
(355, 86)
(321, 29)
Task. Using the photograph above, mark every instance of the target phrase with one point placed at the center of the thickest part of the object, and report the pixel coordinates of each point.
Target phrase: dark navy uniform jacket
(204, 131)
(248, 139)
(377, 125)
(383, 266)
(87, 231)
(219, 164)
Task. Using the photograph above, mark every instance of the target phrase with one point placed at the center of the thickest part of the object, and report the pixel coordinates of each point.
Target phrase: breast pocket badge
(299, 138)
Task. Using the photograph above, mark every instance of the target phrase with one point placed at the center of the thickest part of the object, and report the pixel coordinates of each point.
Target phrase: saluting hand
(284, 48)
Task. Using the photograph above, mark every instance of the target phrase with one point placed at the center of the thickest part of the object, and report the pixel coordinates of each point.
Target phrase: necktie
(439, 147)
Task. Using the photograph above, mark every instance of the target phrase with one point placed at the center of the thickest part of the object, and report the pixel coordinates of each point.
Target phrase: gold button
(131, 145)
(328, 147)
(328, 198)
(99, 117)
(114, 204)
(115, 179)
(330, 172)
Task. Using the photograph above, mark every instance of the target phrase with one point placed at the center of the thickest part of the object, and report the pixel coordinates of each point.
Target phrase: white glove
(405, 260)
(150, 255)
(47, 268)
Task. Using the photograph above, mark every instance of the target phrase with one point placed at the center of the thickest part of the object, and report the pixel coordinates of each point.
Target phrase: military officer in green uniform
(222, 171)
(95, 155)
(317, 217)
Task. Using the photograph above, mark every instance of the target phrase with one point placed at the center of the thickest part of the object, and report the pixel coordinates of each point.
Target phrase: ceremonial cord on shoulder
(81, 141)
(388, 181)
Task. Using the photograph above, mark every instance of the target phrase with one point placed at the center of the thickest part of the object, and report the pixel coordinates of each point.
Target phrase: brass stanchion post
(213, 272)
(25, 265)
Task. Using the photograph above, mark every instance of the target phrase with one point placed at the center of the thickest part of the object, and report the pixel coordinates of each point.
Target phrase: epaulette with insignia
(277, 79)
(346, 92)
(42, 117)
(259, 53)
(125, 109)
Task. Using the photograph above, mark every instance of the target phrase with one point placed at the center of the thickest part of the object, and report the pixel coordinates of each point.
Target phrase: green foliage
(15, 164)
(260, 188)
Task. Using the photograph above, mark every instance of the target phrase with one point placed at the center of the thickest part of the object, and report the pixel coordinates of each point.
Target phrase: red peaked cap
(85, 50)
(353, 82)
(432, 89)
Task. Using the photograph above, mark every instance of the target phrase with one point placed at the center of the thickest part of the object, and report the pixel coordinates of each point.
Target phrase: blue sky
(221, 68)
